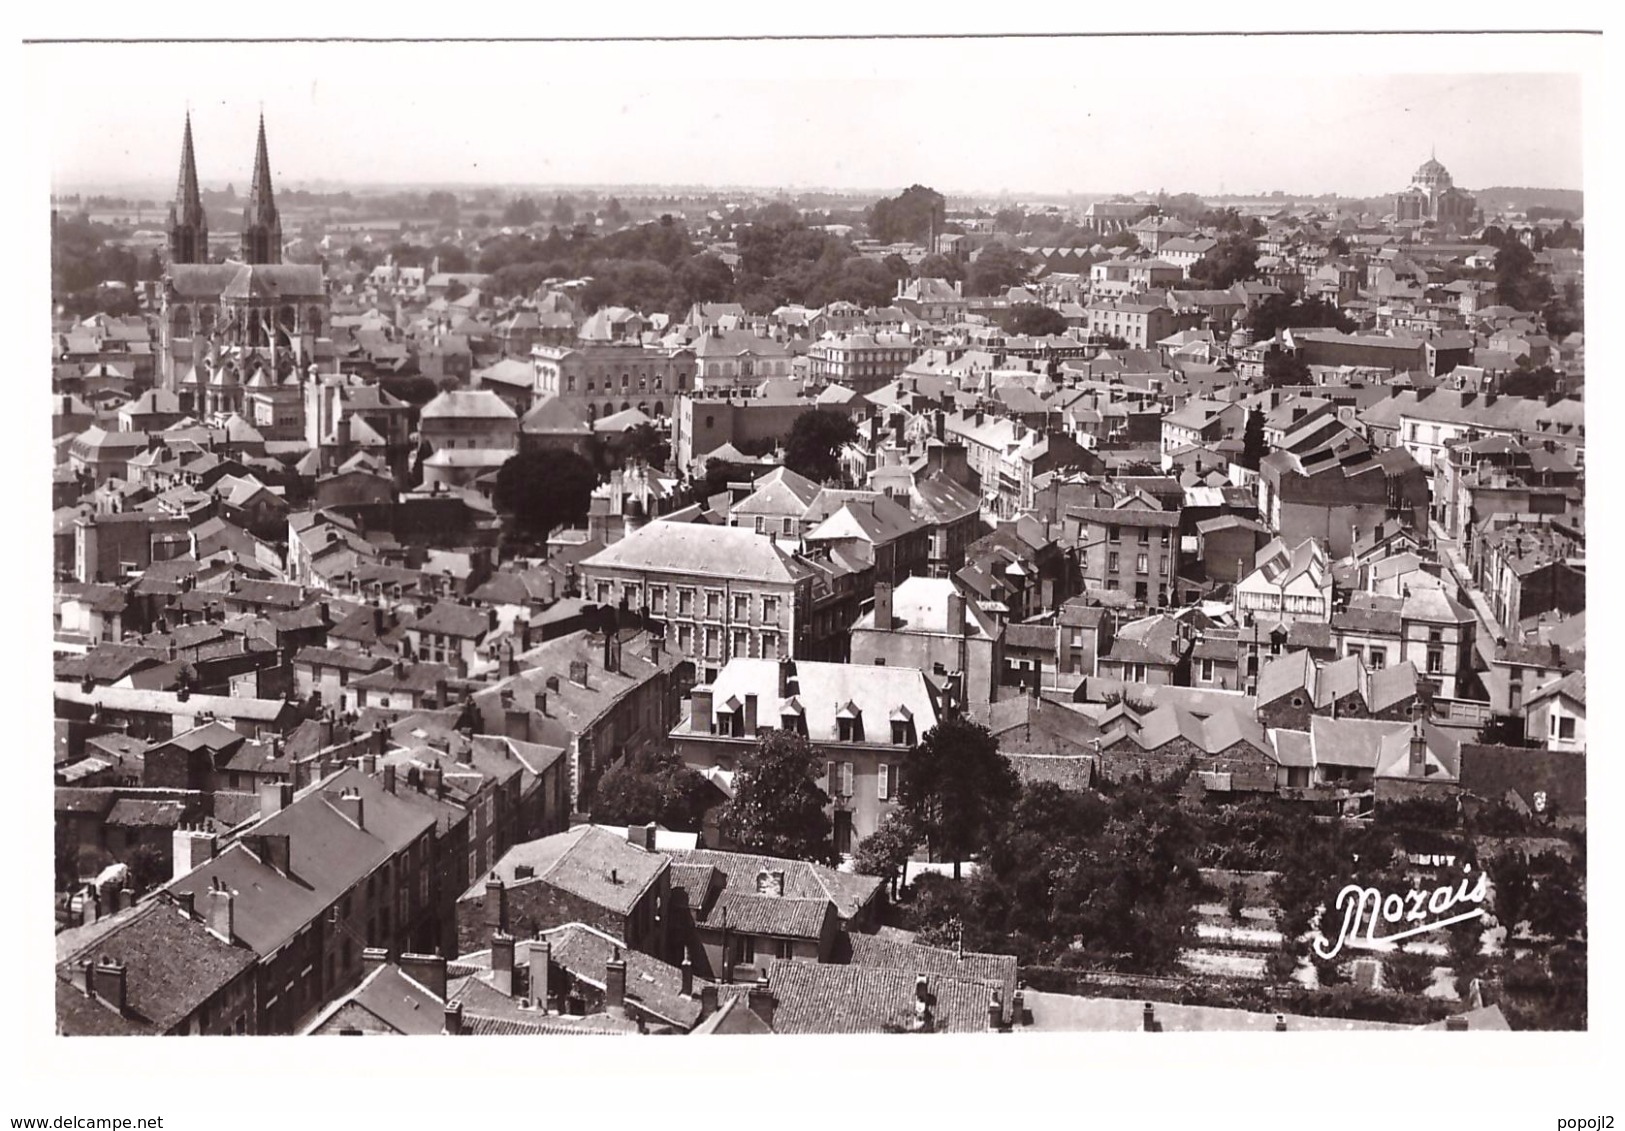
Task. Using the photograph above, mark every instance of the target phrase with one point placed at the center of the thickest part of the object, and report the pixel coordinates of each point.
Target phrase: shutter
(831, 782)
(885, 782)
(892, 781)
(846, 779)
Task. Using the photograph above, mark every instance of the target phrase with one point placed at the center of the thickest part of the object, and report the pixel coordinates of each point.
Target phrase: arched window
(660, 382)
(643, 407)
(660, 408)
(592, 411)
(625, 405)
(288, 318)
(626, 382)
(682, 381)
(589, 384)
(609, 408)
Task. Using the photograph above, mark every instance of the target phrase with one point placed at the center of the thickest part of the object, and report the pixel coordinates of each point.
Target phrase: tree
(1513, 880)
(956, 787)
(653, 787)
(815, 441)
(996, 269)
(911, 216)
(545, 490)
(1282, 367)
(778, 807)
(1406, 972)
(1281, 312)
(937, 266)
(1337, 245)
(646, 444)
(521, 213)
(1030, 319)
(1235, 259)
(1516, 280)
(1253, 448)
(886, 851)
(148, 869)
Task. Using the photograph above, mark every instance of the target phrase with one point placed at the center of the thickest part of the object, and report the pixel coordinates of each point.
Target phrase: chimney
(109, 980)
(1149, 1018)
(578, 672)
(433, 780)
(1280, 1022)
(762, 1003)
(220, 911)
(454, 1019)
(708, 996)
(883, 593)
(427, 970)
(541, 953)
(699, 712)
(642, 835)
(995, 1013)
(187, 902)
(442, 694)
(750, 714)
(615, 985)
(1456, 1023)
(389, 778)
(496, 905)
(378, 620)
(1419, 751)
(372, 958)
(502, 963)
(275, 797)
(687, 969)
(190, 847)
(369, 764)
(524, 635)
(349, 804)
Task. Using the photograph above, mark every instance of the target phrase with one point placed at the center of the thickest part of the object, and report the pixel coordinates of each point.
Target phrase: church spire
(262, 227)
(188, 227)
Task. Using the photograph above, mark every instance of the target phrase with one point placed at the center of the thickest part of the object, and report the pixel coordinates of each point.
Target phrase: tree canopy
(653, 787)
(956, 787)
(815, 442)
(909, 216)
(545, 490)
(1235, 259)
(778, 807)
(1032, 319)
(1282, 312)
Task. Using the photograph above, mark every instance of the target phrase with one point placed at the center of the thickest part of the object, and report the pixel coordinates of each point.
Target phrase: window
(1565, 728)
(1379, 658)
(713, 605)
(742, 605)
(657, 600)
(761, 524)
(846, 779)
(685, 639)
(1142, 564)
(1112, 563)
(1145, 535)
(1357, 650)
(770, 645)
(1114, 534)
(1435, 661)
(770, 609)
(741, 646)
(939, 668)
(744, 950)
(685, 602)
(1435, 636)
(883, 778)
(1207, 671)
(1140, 591)
(1162, 565)
(603, 592)
(713, 643)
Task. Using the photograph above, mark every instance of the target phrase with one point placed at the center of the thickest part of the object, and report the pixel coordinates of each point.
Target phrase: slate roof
(848, 892)
(583, 951)
(814, 997)
(586, 862)
(173, 963)
(396, 1000)
(998, 970)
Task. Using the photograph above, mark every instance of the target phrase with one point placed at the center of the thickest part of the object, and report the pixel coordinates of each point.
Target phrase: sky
(1026, 115)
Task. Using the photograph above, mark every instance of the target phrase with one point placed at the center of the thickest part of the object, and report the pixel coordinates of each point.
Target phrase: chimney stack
(454, 1019)
(995, 1013)
(699, 710)
(1280, 1022)
(750, 714)
(1149, 1018)
(427, 970)
(615, 985)
(883, 594)
(220, 911)
(502, 963)
(687, 969)
(275, 797)
(496, 905)
(349, 804)
(372, 958)
(762, 1002)
(1456, 1024)
(541, 953)
(110, 982)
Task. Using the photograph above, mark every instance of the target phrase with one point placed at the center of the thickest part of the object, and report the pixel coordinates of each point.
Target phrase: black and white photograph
(1009, 537)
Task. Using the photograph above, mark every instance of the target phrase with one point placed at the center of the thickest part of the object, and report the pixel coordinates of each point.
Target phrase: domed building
(1432, 197)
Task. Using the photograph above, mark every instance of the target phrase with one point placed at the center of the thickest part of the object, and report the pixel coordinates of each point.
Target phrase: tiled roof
(655, 986)
(813, 997)
(587, 862)
(848, 892)
(173, 963)
(997, 970)
(780, 916)
(693, 549)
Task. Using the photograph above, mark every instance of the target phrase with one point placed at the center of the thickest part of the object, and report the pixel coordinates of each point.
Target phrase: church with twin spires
(239, 336)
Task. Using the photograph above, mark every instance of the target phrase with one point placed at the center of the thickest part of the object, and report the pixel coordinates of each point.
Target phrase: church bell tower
(262, 227)
(188, 227)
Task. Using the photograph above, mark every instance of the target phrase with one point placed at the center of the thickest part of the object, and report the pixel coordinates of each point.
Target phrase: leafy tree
(1514, 884)
(1337, 245)
(778, 807)
(521, 213)
(1557, 905)
(910, 216)
(646, 444)
(1407, 972)
(815, 442)
(1282, 367)
(936, 266)
(1235, 259)
(1281, 312)
(653, 787)
(1031, 319)
(995, 269)
(1562, 318)
(1516, 280)
(1253, 448)
(886, 851)
(545, 490)
(702, 278)
(956, 787)
(148, 869)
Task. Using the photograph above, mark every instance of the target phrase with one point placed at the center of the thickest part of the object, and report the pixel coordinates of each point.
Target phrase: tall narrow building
(188, 227)
(262, 227)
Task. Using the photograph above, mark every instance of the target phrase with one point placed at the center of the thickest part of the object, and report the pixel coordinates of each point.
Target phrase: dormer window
(849, 723)
(792, 716)
(902, 727)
